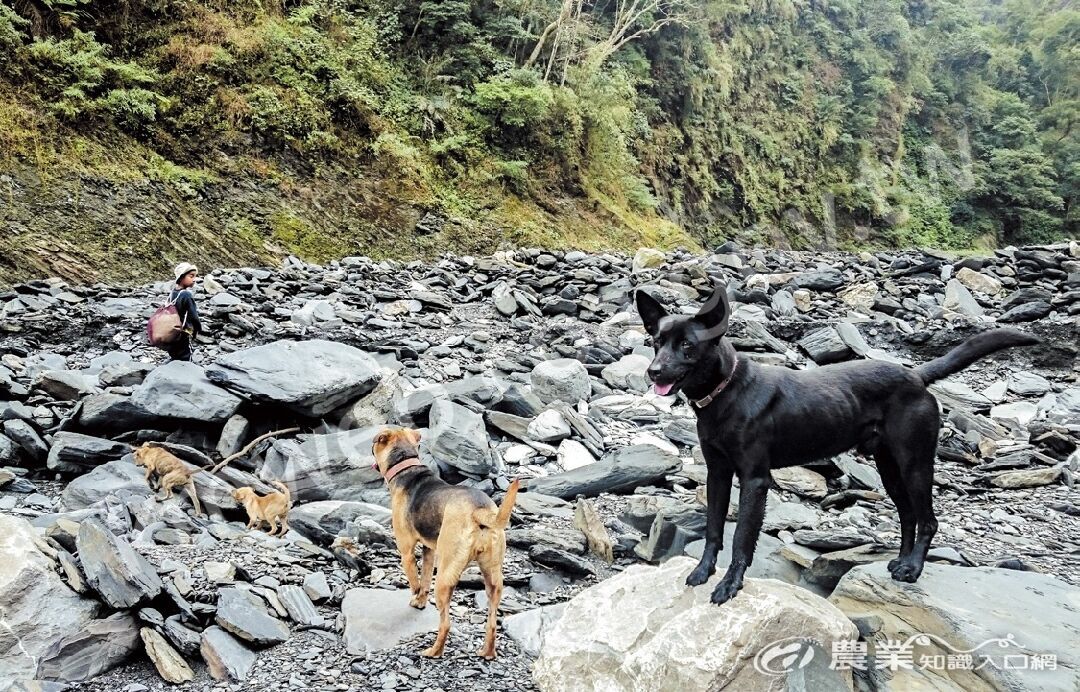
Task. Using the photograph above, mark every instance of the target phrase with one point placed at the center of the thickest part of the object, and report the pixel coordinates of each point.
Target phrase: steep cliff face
(135, 128)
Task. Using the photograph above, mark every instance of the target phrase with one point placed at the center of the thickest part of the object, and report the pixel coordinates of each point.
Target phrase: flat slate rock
(226, 657)
(245, 614)
(74, 453)
(310, 377)
(377, 619)
(621, 470)
(121, 576)
(180, 390)
(98, 647)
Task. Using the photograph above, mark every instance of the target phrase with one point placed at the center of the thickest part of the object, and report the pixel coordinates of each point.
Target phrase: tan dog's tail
(491, 520)
(284, 490)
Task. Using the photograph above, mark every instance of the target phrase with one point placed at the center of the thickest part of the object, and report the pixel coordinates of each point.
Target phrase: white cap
(184, 268)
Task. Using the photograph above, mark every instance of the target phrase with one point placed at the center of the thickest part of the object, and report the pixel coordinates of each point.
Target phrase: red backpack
(164, 326)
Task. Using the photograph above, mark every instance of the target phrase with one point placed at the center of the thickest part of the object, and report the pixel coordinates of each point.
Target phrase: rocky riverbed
(526, 364)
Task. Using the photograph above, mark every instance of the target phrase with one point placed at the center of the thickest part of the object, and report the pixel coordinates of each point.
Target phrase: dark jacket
(185, 307)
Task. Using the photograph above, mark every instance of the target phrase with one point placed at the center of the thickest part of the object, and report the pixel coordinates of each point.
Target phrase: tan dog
(268, 508)
(452, 524)
(171, 471)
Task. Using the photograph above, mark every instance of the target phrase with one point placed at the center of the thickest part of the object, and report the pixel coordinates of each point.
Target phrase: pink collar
(395, 470)
(702, 403)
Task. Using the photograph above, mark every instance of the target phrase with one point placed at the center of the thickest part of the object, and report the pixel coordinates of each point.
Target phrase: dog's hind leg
(453, 557)
(193, 496)
(490, 562)
(894, 486)
(913, 443)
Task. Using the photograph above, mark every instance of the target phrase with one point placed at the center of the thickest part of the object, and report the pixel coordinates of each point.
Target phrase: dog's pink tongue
(663, 389)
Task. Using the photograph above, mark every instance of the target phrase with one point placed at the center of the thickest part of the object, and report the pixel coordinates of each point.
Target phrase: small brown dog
(452, 524)
(171, 471)
(268, 508)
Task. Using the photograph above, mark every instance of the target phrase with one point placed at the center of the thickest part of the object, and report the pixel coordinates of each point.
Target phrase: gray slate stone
(181, 390)
(969, 607)
(121, 576)
(98, 647)
(26, 437)
(621, 470)
(39, 610)
(226, 657)
(244, 614)
(310, 377)
(110, 412)
(75, 453)
(121, 478)
(377, 619)
(457, 437)
(562, 379)
(300, 608)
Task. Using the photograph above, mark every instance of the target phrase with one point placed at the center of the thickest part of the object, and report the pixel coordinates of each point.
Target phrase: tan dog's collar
(395, 470)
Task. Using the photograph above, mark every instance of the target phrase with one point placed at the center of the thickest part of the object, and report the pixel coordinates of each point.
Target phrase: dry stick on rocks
(251, 445)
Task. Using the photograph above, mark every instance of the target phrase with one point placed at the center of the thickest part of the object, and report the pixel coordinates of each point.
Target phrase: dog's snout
(654, 370)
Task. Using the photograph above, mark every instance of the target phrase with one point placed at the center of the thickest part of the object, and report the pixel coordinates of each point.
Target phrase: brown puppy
(452, 524)
(170, 470)
(268, 508)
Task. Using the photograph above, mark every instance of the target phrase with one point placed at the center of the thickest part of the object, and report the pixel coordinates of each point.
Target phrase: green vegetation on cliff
(563, 122)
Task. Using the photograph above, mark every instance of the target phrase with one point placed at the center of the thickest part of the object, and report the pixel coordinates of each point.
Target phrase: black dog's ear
(651, 311)
(716, 311)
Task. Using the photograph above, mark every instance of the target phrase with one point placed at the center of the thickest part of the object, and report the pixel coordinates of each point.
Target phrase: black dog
(753, 418)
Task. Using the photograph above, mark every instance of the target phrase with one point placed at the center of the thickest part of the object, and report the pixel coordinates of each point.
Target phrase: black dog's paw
(725, 591)
(905, 571)
(893, 563)
(700, 575)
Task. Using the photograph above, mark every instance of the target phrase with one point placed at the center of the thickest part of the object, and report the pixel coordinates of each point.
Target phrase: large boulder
(562, 379)
(310, 377)
(96, 648)
(38, 609)
(121, 478)
(75, 453)
(378, 619)
(121, 576)
(1004, 618)
(645, 630)
(457, 438)
(180, 390)
(110, 412)
(621, 470)
(335, 466)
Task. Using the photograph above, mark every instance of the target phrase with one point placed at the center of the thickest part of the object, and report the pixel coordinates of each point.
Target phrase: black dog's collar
(702, 403)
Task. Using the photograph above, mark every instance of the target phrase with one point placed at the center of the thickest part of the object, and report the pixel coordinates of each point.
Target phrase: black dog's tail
(971, 350)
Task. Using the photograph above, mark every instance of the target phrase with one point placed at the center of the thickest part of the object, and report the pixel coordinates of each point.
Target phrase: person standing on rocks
(182, 296)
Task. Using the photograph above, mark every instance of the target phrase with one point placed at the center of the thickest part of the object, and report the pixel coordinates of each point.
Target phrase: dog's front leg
(407, 549)
(718, 495)
(427, 569)
(752, 494)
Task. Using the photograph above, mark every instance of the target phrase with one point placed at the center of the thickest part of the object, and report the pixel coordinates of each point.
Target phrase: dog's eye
(686, 346)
